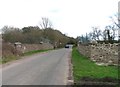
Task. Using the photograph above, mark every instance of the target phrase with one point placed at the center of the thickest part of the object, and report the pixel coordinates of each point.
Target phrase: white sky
(72, 17)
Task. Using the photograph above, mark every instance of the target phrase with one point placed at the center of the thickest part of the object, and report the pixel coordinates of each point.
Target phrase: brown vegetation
(34, 37)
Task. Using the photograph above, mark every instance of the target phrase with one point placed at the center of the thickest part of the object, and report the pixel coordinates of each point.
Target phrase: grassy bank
(8, 59)
(0, 60)
(84, 67)
(34, 52)
(14, 57)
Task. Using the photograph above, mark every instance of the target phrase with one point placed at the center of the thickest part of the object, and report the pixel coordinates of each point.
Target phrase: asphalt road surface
(50, 68)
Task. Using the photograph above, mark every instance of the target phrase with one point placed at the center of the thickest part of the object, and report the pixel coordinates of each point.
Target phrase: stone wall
(101, 53)
(30, 47)
(85, 49)
(22, 48)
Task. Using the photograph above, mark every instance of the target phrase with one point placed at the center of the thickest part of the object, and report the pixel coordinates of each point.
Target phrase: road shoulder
(70, 70)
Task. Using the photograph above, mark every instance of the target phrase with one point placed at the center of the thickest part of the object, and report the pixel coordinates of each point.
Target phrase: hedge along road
(49, 68)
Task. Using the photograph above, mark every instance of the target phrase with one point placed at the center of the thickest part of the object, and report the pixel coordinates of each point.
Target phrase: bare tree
(104, 35)
(90, 35)
(95, 35)
(7, 29)
(45, 23)
(110, 33)
(116, 20)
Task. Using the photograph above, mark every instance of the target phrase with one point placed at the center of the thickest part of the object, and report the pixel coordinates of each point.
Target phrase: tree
(32, 34)
(116, 20)
(109, 34)
(95, 34)
(83, 39)
(90, 36)
(30, 29)
(45, 23)
(11, 34)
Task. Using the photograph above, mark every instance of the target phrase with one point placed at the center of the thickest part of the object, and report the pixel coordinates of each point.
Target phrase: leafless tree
(116, 20)
(109, 34)
(90, 35)
(95, 35)
(7, 29)
(45, 23)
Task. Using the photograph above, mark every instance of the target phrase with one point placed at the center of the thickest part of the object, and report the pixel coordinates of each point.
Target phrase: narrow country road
(50, 68)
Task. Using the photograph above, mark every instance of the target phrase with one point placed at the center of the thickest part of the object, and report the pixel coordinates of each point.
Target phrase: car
(66, 46)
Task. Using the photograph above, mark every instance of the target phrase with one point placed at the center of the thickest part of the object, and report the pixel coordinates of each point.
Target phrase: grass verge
(0, 61)
(84, 67)
(8, 59)
(14, 57)
(34, 52)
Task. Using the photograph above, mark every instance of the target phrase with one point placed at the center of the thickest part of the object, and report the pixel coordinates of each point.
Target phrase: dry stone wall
(84, 49)
(30, 47)
(22, 48)
(107, 54)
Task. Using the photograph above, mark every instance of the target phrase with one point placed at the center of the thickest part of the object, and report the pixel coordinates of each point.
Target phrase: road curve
(50, 68)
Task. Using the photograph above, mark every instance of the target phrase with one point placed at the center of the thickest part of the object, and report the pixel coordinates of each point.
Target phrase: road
(50, 68)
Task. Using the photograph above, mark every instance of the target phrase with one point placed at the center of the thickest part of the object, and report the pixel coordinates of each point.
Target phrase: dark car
(66, 46)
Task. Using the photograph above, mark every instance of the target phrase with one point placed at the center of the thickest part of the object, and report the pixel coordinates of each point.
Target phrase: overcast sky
(71, 17)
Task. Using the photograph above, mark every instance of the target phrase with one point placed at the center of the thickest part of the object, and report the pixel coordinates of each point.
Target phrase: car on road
(66, 46)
